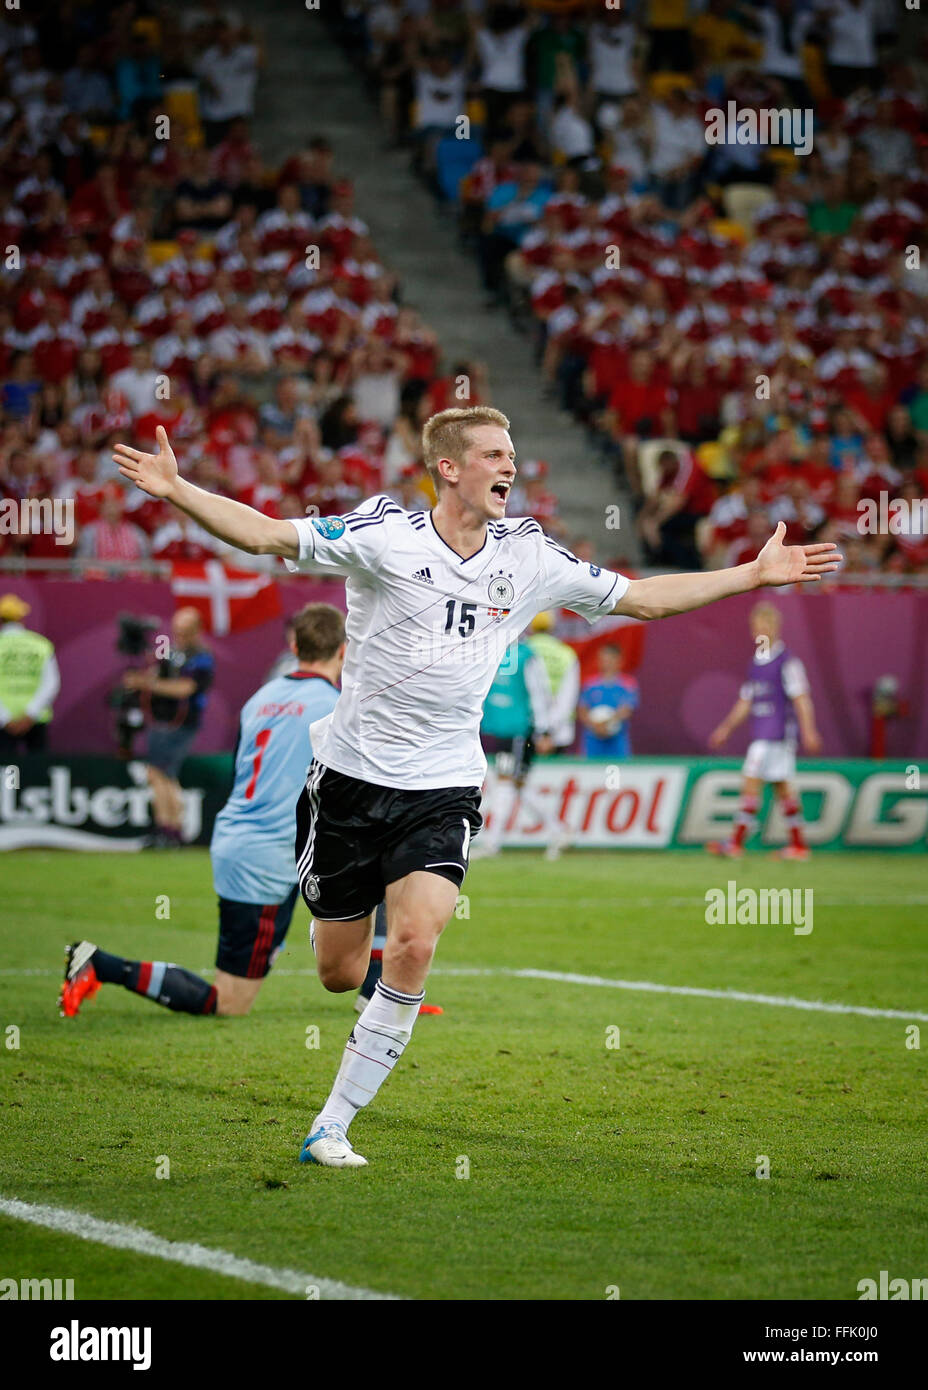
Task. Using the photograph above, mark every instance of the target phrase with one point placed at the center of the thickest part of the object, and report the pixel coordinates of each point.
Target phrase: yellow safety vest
(556, 656)
(23, 655)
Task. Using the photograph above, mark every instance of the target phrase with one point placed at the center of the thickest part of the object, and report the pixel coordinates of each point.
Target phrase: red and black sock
(792, 814)
(744, 820)
(169, 985)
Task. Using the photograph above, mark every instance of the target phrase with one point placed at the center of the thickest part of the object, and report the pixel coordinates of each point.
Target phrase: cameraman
(175, 697)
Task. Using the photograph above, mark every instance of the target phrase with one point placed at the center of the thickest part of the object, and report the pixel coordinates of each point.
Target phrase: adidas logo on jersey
(424, 575)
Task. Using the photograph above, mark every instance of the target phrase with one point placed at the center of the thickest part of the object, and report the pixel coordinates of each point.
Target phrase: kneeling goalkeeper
(254, 871)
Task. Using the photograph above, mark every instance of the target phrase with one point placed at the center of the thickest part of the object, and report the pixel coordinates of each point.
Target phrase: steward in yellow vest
(563, 670)
(29, 681)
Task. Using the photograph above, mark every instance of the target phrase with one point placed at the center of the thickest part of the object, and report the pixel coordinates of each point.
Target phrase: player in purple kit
(776, 698)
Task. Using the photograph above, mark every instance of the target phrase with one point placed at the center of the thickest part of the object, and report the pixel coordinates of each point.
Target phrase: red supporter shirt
(820, 479)
(874, 409)
(636, 402)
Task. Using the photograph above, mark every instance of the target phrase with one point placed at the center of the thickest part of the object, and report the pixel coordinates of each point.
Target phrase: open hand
(155, 474)
(795, 564)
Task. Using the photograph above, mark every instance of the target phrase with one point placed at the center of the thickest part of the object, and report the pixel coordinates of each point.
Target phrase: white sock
(504, 798)
(376, 1044)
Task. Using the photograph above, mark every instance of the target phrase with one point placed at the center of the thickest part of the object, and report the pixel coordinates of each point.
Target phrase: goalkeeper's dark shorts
(251, 935)
(353, 838)
(514, 756)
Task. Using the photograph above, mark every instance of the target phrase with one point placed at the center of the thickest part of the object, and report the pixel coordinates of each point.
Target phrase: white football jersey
(427, 631)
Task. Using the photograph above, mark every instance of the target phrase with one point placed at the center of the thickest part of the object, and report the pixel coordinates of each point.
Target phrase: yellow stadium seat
(724, 227)
(783, 156)
(477, 111)
(713, 459)
(148, 27)
(661, 84)
(813, 66)
(161, 251)
(182, 104)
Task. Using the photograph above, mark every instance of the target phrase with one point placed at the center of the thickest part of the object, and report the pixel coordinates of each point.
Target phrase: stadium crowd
(741, 327)
(158, 271)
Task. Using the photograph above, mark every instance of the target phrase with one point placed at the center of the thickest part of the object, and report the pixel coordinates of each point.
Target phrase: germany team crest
(501, 591)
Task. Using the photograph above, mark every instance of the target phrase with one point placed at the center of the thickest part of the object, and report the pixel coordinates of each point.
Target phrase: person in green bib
(515, 725)
(29, 681)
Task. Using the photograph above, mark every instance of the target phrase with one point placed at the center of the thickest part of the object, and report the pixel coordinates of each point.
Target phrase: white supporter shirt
(612, 50)
(426, 633)
(502, 58)
(439, 100)
(777, 59)
(232, 76)
(851, 39)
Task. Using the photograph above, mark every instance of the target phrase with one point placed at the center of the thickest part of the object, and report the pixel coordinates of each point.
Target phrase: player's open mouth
(501, 490)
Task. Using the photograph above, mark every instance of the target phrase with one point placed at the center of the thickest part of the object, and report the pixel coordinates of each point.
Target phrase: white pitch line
(142, 1242)
(907, 900)
(649, 987)
(781, 1001)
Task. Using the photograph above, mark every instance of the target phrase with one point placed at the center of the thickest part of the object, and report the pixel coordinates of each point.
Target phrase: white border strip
(141, 1242)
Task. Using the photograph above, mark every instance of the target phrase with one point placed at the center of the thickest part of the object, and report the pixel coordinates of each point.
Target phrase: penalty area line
(142, 1242)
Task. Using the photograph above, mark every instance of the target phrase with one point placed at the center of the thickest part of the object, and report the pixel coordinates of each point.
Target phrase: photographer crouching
(173, 695)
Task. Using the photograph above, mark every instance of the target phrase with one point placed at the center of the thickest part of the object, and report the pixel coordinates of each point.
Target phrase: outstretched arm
(231, 521)
(663, 595)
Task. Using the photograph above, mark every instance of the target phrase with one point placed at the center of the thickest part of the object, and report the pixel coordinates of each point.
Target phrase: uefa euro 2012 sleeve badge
(501, 591)
(329, 526)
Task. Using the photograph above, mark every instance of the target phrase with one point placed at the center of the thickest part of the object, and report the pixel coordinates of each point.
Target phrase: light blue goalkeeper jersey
(252, 848)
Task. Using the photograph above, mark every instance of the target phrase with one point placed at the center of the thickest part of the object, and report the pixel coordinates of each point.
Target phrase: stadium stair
(314, 90)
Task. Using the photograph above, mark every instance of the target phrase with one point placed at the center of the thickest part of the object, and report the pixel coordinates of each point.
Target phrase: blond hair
(447, 434)
(766, 609)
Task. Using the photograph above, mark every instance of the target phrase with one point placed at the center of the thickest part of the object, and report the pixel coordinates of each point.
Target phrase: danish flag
(227, 599)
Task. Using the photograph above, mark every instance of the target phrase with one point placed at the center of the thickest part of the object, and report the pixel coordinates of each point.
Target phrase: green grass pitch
(590, 1166)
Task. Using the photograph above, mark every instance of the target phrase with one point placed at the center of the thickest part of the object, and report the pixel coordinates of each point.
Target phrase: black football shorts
(353, 838)
(514, 756)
